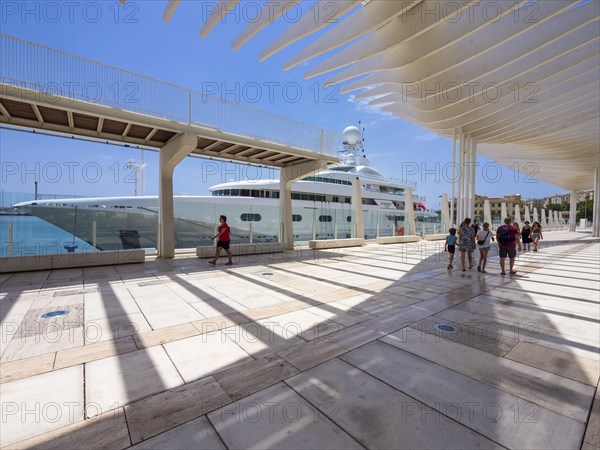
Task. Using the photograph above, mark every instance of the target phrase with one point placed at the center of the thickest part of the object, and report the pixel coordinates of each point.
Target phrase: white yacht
(321, 208)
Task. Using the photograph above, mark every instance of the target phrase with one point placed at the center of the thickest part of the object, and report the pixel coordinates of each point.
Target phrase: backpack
(504, 236)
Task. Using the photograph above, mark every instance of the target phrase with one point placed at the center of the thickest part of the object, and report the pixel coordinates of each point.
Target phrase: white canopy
(522, 77)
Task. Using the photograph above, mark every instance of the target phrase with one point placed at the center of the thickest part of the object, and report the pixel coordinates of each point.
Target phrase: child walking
(450, 246)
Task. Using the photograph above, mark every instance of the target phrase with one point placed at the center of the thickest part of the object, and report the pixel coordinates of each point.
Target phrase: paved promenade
(377, 347)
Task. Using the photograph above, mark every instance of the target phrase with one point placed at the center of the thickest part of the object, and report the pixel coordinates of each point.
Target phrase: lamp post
(131, 164)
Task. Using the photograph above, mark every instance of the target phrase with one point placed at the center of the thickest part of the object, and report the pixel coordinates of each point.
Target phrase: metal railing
(53, 73)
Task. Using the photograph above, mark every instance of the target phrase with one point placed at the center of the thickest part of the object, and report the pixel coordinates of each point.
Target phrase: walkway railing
(53, 73)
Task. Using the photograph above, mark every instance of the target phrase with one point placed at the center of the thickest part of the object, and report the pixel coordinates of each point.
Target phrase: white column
(169, 156)
(467, 175)
(535, 215)
(573, 211)
(409, 212)
(503, 212)
(550, 220)
(487, 212)
(461, 175)
(527, 215)
(544, 224)
(446, 222)
(287, 176)
(472, 177)
(557, 220)
(452, 197)
(517, 214)
(596, 211)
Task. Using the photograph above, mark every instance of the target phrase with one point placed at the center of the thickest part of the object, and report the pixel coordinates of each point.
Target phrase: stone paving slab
(193, 435)
(253, 376)
(161, 412)
(133, 376)
(41, 403)
(199, 356)
(500, 416)
(376, 415)
(551, 391)
(101, 432)
(397, 289)
(278, 417)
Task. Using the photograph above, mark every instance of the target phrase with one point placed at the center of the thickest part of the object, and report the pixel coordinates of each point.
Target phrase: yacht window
(296, 218)
(349, 219)
(325, 219)
(235, 192)
(249, 217)
(254, 193)
(245, 193)
(347, 200)
(335, 199)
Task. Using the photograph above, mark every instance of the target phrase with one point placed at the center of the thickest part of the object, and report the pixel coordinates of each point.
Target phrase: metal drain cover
(61, 312)
(268, 274)
(444, 327)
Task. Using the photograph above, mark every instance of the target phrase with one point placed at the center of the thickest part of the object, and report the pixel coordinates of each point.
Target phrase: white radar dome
(351, 135)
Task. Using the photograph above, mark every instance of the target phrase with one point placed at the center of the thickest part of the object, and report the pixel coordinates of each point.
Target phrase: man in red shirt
(508, 239)
(223, 242)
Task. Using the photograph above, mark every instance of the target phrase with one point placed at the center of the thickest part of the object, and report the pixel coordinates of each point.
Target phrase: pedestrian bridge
(46, 89)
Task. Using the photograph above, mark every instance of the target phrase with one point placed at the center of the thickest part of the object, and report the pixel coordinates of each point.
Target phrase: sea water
(34, 236)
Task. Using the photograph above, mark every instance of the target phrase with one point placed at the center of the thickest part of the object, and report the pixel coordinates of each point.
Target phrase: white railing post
(10, 238)
(94, 235)
(189, 107)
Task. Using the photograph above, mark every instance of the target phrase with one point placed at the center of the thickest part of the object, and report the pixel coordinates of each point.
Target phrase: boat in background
(321, 208)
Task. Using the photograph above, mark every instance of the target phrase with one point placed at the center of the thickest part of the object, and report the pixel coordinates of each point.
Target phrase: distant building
(496, 205)
(515, 199)
(560, 199)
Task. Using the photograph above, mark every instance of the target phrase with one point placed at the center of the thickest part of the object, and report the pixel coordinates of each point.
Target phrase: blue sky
(133, 37)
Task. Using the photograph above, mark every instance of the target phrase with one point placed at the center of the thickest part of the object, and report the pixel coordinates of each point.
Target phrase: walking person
(223, 242)
(526, 236)
(508, 239)
(450, 246)
(484, 242)
(536, 235)
(466, 242)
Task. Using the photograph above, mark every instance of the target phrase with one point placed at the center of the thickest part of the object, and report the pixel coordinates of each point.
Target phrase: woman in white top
(484, 242)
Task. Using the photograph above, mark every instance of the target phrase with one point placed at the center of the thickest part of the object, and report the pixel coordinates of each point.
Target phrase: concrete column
(409, 213)
(543, 223)
(487, 212)
(452, 196)
(460, 181)
(358, 229)
(446, 222)
(527, 215)
(550, 220)
(573, 211)
(517, 214)
(596, 211)
(467, 175)
(472, 177)
(169, 156)
(503, 212)
(535, 215)
(557, 220)
(287, 176)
